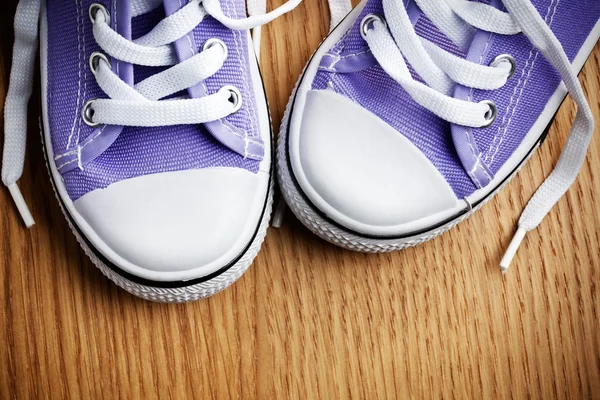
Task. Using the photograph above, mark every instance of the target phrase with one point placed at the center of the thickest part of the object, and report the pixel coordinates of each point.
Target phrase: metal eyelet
(235, 97)
(215, 42)
(505, 58)
(491, 114)
(87, 113)
(93, 11)
(95, 58)
(367, 23)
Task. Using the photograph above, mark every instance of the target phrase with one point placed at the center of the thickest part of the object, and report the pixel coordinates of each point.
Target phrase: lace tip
(278, 214)
(512, 250)
(21, 205)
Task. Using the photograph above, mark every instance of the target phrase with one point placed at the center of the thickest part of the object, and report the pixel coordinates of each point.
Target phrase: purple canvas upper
(112, 154)
(353, 72)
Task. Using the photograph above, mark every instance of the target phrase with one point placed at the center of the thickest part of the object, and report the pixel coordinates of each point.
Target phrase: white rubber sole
(164, 291)
(180, 294)
(335, 234)
(332, 232)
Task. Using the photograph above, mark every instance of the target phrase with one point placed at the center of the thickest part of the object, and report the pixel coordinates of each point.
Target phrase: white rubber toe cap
(178, 225)
(362, 173)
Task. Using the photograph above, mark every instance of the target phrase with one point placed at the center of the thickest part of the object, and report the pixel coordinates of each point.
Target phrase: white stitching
(244, 72)
(495, 148)
(469, 131)
(79, 148)
(100, 131)
(65, 164)
(348, 55)
(118, 63)
(79, 158)
(77, 4)
(89, 141)
(255, 155)
(499, 137)
(510, 103)
(338, 58)
(247, 139)
(224, 122)
(473, 170)
(64, 155)
(503, 136)
(80, 119)
(226, 125)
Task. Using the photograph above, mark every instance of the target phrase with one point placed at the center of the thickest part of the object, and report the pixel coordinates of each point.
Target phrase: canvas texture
(519, 102)
(137, 151)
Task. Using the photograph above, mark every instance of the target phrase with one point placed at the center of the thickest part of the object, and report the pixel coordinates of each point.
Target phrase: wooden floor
(310, 320)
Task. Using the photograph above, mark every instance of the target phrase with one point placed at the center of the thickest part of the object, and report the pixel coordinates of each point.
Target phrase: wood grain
(310, 320)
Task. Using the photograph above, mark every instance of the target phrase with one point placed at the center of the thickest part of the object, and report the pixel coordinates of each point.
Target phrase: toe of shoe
(361, 172)
(177, 225)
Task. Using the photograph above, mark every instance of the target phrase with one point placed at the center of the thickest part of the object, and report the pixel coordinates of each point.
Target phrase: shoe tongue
(426, 29)
(171, 6)
(182, 46)
(133, 28)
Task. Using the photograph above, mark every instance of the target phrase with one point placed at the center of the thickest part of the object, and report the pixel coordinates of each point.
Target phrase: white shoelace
(129, 106)
(442, 70)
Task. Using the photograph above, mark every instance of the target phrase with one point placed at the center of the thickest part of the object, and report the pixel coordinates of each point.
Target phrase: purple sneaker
(411, 115)
(156, 132)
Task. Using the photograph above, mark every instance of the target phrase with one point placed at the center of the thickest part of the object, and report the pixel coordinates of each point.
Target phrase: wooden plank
(311, 320)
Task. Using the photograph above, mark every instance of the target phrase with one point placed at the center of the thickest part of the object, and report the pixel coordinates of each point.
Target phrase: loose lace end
(21, 205)
(512, 249)
(278, 214)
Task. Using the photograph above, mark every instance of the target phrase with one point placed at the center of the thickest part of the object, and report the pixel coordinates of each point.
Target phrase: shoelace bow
(129, 106)
(392, 38)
